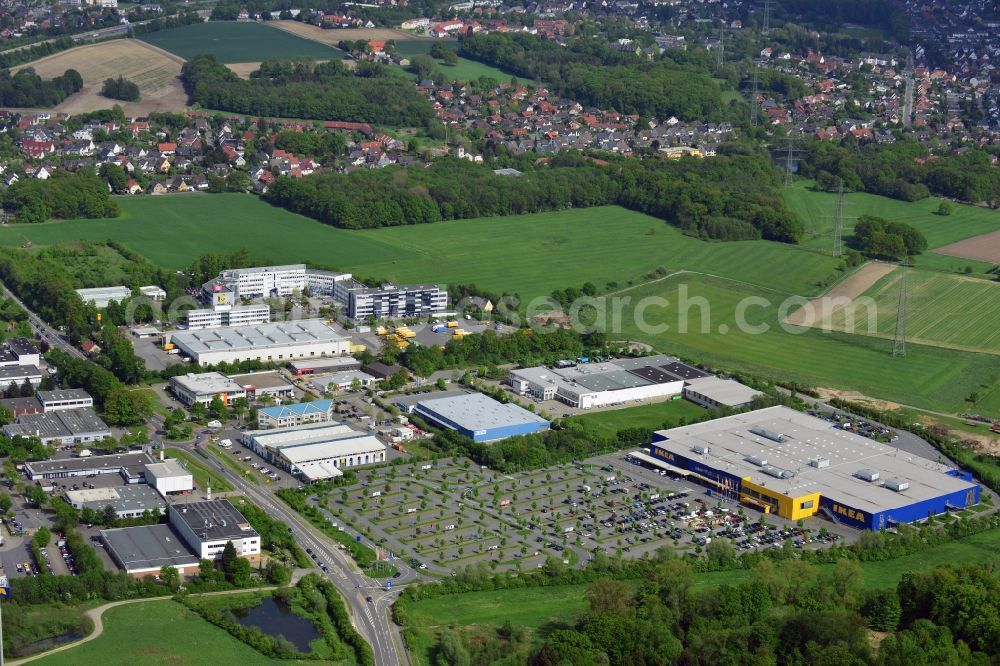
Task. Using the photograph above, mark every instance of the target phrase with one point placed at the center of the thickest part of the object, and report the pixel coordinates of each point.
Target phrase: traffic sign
(358, 538)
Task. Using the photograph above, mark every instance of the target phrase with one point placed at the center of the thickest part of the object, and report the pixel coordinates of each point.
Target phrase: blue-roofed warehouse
(318, 411)
(480, 417)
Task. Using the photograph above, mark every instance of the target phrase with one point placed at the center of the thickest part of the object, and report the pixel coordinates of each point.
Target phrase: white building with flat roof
(269, 343)
(100, 297)
(264, 281)
(208, 526)
(169, 477)
(614, 382)
(318, 451)
(218, 317)
(715, 392)
(202, 388)
(327, 283)
(153, 293)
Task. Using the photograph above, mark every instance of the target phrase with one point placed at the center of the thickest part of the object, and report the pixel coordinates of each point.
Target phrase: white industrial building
(318, 451)
(169, 477)
(65, 427)
(100, 297)
(202, 388)
(715, 392)
(17, 374)
(328, 283)
(23, 351)
(208, 526)
(620, 381)
(219, 316)
(126, 501)
(341, 381)
(262, 281)
(54, 401)
(153, 293)
(389, 300)
(268, 343)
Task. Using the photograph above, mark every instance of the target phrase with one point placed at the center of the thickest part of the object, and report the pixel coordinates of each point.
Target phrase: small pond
(276, 619)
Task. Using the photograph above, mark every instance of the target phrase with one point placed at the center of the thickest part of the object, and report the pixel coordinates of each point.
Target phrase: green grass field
(655, 417)
(160, 632)
(928, 377)
(200, 470)
(816, 210)
(465, 70)
(498, 253)
(947, 310)
(238, 42)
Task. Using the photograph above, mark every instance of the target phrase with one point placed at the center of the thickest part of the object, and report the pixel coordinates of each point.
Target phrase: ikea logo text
(850, 513)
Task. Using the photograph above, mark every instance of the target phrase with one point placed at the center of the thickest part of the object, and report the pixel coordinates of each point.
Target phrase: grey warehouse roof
(64, 423)
(476, 411)
(65, 394)
(133, 462)
(139, 497)
(213, 520)
(258, 336)
(806, 438)
(148, 547)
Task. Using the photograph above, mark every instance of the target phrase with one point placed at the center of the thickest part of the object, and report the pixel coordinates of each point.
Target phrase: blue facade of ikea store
(844, 513)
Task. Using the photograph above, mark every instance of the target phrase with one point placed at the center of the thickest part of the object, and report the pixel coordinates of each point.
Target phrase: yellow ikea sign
(663, 454)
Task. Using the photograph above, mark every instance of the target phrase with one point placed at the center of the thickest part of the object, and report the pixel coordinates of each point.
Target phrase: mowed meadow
(531, 255)
(616, 249)
(948, 310)
(238, 42)
(928, 377)
(816, 210)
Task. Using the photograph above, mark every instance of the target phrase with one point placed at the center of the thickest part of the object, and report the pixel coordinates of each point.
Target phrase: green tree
(229, 557)
(170, 577)
(42, 537)
(945, 208)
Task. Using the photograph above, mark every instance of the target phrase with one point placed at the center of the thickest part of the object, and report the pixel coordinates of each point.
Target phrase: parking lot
(452, 513)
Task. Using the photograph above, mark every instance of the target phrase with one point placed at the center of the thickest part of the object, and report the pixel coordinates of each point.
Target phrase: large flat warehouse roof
(811, 457)
(257, 336)
(476, 411)
(148, 547)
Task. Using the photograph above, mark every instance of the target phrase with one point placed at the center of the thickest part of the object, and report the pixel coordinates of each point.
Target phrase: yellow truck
(452, 324)
(381, 330)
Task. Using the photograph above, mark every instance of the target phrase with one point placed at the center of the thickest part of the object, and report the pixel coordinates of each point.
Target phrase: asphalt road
(45, 332)
(371, 619)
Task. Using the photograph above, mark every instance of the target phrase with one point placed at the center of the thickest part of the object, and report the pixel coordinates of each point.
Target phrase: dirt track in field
(822, 308)
(333, 36)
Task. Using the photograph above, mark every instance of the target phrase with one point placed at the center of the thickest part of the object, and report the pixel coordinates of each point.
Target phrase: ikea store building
(795, 465)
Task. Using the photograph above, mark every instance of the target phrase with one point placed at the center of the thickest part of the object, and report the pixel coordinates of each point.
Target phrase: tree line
(590, 71)
(370, 94)
(63, 196)
(903, 170)
(789, 610)
(30, 90)
(731, 197)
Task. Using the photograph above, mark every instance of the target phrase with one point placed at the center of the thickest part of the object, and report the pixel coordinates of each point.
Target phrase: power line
(767, 17)
(753, 98)
(722, 44)
(789, 159)
(899, 343)
(838, 221)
